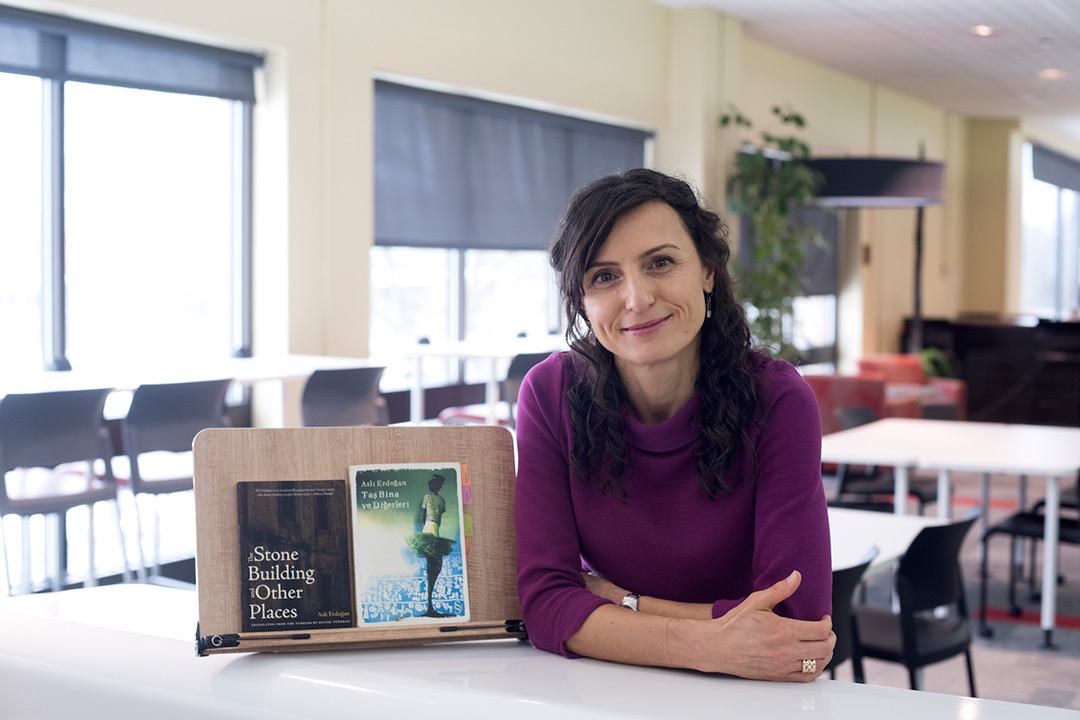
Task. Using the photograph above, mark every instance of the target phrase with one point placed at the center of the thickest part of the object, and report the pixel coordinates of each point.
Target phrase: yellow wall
(838, 107)
(672, 71)
(849, 116)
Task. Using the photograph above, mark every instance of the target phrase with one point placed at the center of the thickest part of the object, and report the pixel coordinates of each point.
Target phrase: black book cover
(294, 555)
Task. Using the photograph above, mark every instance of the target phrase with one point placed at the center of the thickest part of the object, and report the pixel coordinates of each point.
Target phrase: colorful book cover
(294, 555)
(408, 544)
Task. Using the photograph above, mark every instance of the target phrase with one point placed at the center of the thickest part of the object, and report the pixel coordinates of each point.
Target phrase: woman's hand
(752, 641)
(602, 587)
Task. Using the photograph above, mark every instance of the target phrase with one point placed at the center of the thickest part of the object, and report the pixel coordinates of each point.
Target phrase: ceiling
(925, 48)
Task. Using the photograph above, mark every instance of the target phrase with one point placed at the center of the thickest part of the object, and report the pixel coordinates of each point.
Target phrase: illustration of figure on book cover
(408, 544)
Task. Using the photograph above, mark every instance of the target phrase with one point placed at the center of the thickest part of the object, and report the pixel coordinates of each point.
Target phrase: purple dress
(668, 539)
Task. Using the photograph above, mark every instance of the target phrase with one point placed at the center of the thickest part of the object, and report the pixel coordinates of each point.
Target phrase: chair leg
(155, 571)
(123, 543)
(56, 527)
(856, 649)
(24, 570)
(857, 667)
(1014, 607)
(970, 672)
(984, 629)
(139, 538)
(915, 676)
(7, 558)
(91, 568)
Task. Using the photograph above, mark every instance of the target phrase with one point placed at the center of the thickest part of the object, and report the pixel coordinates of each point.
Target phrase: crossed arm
(749, 641)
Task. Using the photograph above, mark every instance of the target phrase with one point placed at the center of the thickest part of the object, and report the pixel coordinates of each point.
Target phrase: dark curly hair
(725, 381)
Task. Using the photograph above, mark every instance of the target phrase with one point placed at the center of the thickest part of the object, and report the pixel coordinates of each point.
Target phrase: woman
(669, 503)
(427, 544)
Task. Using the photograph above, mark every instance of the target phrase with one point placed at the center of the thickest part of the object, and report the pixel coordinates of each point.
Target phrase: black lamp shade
(878, 182)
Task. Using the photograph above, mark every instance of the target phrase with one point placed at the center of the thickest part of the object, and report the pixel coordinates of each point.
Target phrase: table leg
(900, 489)
(416, 396)
(944, 495)
(1050, 571)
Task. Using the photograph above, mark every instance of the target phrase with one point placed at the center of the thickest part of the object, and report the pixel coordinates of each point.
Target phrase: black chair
(933, 623)
(858, 489)
(343, 398)
(157, 435)
(511, 386)
(1069, 500)
(1025, 524)
(844, 582)
(49, 444)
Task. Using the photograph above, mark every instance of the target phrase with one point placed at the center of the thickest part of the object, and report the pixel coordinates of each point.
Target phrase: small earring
(708, 305)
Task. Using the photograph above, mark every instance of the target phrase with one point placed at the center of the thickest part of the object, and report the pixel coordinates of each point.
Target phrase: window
(814, 314)
(1050, 265)
(467, 194)
(125, 197)
(20, 221)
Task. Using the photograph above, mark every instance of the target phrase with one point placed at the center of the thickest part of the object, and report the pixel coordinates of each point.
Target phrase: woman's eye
(602, 277)
(662, 261)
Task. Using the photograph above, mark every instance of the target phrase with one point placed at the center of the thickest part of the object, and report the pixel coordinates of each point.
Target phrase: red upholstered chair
(837, 391)
(893, 368)
(841, 396)
(909, 392)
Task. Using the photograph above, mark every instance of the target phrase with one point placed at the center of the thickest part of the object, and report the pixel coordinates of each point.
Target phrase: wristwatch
(630, 601)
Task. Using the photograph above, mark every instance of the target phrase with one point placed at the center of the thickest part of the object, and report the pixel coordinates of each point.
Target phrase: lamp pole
(915, 338)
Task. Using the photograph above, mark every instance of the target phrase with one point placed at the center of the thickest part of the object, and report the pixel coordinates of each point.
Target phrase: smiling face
(643, 292)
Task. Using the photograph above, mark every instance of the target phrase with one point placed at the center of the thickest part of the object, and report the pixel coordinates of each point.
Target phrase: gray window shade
(459, 172)
(820, 267)
(820, 273)
(1055, 168)
(62, 48)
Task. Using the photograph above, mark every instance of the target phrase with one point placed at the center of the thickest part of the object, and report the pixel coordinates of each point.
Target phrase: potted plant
(767, 184)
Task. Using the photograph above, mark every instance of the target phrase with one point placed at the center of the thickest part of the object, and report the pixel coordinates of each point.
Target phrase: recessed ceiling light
(982, 31)
(1053, 74)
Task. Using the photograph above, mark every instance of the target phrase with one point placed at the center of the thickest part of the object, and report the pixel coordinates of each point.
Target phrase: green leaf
(765, 190)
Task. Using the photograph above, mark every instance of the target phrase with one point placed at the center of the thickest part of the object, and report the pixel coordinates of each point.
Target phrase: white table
(128, 651)
(854, 532)
(246, 371)
(950, 446)
(490, 351)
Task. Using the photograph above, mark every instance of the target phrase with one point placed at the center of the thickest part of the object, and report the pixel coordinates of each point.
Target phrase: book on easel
(295, 569)
(320, 538)
(407, 544)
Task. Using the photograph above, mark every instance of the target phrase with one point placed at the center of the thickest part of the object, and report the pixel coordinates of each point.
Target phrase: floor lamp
(885, 182)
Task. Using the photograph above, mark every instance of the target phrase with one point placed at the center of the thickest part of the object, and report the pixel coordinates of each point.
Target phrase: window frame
(462, 236)
(183, 69)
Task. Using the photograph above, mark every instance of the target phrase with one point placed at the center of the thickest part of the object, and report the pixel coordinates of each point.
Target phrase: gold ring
(809, 666)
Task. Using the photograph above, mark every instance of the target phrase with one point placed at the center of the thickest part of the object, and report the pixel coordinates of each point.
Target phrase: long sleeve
(553, 596)
(791, 524)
